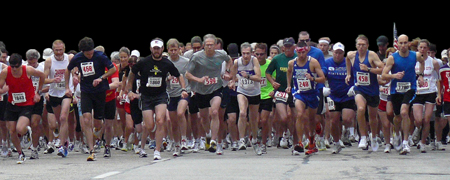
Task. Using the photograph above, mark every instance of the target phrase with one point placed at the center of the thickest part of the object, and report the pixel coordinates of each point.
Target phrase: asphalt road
(351, 163)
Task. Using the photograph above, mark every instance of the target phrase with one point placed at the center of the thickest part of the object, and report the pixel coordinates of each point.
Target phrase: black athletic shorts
(14, 112)
(93, 101)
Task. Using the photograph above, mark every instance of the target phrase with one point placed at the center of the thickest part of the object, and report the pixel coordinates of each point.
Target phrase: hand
(421, 81)
(184, 94)
(47, 97)
(438, 100)
(288, 90)
(97, 81)
(231, 85)
(37, 98)
(347, 79)
(363, 67)
(132, 95)
(272, 93)
(68, 92)
(226, 77)
(276, 85)
(399, 75)
(57, 80)
(170, 77)
(76, 80)
(308, 76)
(203, 79)
(243, 74)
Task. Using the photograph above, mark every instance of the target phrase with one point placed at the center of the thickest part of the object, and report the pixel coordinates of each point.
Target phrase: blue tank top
(365, 82)
(301, 84)
(407, 64)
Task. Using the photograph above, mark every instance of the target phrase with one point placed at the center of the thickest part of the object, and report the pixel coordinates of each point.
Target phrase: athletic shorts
(110, 110)
(399, 99)
(233, 106)
(446, 108)
(321, 109)
(38, 107)
(339, 106)
(425, 98)
(3, 104)
(56, 101)
(93, 101)
(14, 112)
(372, 101)
(173, 105)
(266, 104)
(225, 97)
(311, 100)
(252, 100)
(204, 100)
(382, 106)
(135, 111)
(150, 102)
(193, 103)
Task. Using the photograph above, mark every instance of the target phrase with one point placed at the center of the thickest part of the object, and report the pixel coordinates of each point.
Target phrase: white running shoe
(374, 144)
(405, 149)
(156, 155)
(363, 143)
(22, 158)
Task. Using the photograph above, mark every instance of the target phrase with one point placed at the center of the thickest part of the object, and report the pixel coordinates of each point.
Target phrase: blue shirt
(91, 69)
(365, 77)
(408, 65)
(316, 53)
(301, 84)
(336, 74)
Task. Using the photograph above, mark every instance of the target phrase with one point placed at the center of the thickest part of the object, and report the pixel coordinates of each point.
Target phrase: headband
(324, 41)
(301, 49)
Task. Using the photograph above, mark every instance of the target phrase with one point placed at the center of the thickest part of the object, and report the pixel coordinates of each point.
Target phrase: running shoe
(336, 149)
(107, 152)
(405, 149)
(311, 149)
(22, 158)
(156, 155)
(91, 157)
(213, 146)
(142, 154)
(34, 154)
(63, 152)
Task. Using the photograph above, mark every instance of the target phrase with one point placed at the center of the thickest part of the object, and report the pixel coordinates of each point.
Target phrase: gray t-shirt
(200, 65)
(174, 86)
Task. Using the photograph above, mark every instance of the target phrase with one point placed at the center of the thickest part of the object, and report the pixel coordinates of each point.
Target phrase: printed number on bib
(403, 86)
(174, 83)
(385, 90)
(19, 97)
(304, 84)
(154, 81)
(87, 68)
(282, 96)
(263, 82)
(331, 105)
(425, 85)
(210, 81)
(246, 83)
(363, 78)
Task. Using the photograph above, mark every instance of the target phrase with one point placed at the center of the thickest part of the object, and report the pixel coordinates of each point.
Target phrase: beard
(156, 55)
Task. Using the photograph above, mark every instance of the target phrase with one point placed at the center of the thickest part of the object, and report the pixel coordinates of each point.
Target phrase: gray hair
(210, 36)
(115, 55)
(246, 45)
(125, 50)
(33, 54)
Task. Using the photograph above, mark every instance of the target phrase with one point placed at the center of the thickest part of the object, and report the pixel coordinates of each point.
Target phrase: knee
(361, 109)
(242, 114)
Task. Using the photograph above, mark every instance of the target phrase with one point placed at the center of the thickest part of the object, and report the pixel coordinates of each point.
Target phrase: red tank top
(21, 90)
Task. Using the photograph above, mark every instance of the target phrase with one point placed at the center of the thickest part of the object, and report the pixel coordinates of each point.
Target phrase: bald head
(403, 44)
(403, 38)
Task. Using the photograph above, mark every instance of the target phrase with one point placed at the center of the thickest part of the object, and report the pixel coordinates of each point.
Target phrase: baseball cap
(135, 53)
(289, 41)
(337, 46)
(157, 43)
(47, 53)
(382, 40)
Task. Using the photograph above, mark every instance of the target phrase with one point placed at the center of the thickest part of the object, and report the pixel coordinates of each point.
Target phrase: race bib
(19, 97)
(304, 84)
(363, 78)
(263, 82)
(61, 85)
(87, 68)
(403, 86)
(246, 83)
(35, 82)
(210, 81)
(331, 105)
(425, 85)
(282, 96)
(385, 90)
(174, 83)
(154, 81)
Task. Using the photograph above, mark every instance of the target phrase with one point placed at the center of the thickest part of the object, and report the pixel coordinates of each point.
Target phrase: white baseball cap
(157, 43)
(338, 45)
(47, 53)
(135, 53)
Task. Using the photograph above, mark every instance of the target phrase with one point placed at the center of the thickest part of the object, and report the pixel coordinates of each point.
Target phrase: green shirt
(266, 86)
(279, 64)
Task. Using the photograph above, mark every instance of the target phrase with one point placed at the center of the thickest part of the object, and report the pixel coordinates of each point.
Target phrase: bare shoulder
(351, 54)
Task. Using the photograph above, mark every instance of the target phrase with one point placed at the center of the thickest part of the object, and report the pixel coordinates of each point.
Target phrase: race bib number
(246, 83)
(425, 85)
(19, 97)
(174, 83)
(35, 82)
(154, 81)
(87, 69)
(210, 81)
(363, 78)
(385, 90)
(263, 82)
(331, 105)
(403, 87)
(304, 84)
(282, 96)
(61, 85)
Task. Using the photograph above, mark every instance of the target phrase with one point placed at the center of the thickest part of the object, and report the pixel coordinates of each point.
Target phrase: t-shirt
(279, 64)
(91, 69)
(153, 74)
(266, 86)
(111, 93)
(444, 77)
(316, 53)
(174, 86)
(201, 65)
(336, 74)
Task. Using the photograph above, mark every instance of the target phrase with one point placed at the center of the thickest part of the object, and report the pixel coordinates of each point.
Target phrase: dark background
(117, 26)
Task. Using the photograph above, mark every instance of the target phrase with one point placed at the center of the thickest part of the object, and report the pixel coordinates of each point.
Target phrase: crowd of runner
(295, 94)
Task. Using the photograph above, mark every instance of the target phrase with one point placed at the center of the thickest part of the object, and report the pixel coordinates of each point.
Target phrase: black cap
(289, 41)
(382, 40)
(233, 50)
